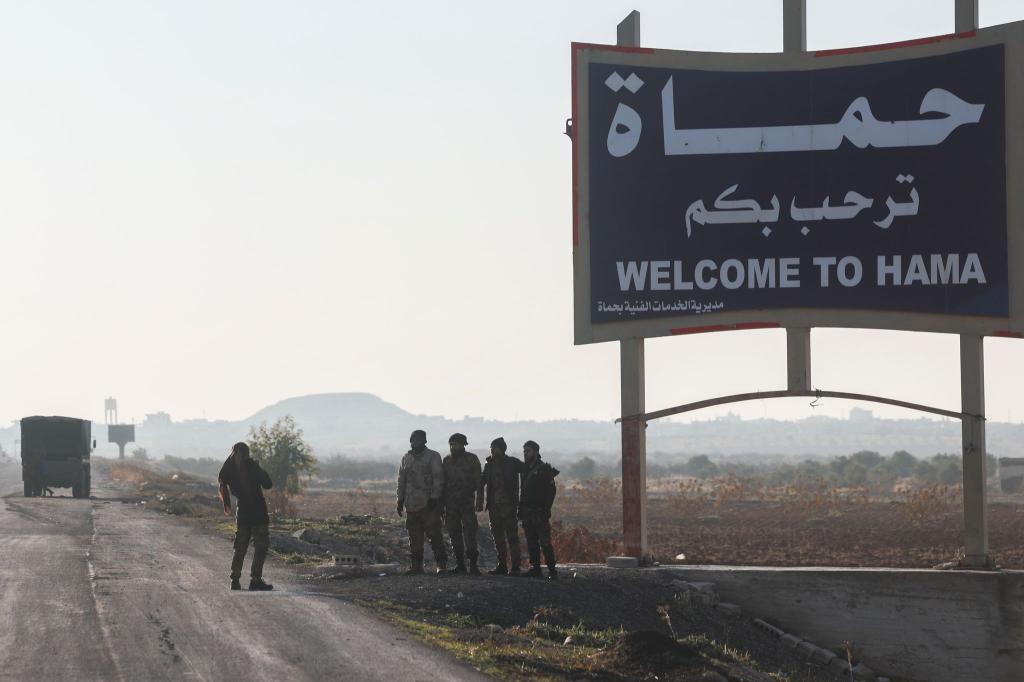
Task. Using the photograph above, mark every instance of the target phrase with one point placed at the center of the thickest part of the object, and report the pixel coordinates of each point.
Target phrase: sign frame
(1011, 36)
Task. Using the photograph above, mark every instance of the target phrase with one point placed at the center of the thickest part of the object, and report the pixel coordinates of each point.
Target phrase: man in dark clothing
(538, 494)
(501, 480)
(242, 477)
(461, 480)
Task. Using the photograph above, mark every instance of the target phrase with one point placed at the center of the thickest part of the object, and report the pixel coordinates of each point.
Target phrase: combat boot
(515, 572)
(258, 585)
(473, 568)
(235, 585)
(533, 573)
(415, 569)
(500, 569)
(552, 573)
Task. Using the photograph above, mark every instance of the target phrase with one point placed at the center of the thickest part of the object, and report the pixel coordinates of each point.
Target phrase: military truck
(55, 453)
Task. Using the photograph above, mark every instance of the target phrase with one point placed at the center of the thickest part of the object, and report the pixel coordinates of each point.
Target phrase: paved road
(104, 590)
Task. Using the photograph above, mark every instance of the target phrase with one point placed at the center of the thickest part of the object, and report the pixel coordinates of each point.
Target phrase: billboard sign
(862, 189)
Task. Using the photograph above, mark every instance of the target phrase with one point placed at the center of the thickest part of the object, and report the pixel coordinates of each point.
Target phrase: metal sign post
(972, 399)
(631, 363)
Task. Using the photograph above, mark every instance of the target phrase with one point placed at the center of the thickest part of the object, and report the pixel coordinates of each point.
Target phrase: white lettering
(916, 273)
(659, 275)
(632, 275)
(846, 277)
(972, 270)
(680, 283)
(735, 279)
(761, 274)
(789, 273)
(702, 267)
(824, 262)
(945, 272)
(886, 270)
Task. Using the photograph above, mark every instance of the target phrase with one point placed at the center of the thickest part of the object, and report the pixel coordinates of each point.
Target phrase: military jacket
(501, 473)
(420, 478)
(461, 479)
(538, 490)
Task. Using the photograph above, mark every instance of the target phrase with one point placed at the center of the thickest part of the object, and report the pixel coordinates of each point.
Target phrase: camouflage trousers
(537, 529)
(425, 523)
(462, 525)
(260, 537)
(506, 536)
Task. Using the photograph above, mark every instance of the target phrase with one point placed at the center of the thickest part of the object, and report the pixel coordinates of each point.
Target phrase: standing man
(420, 484)
(501, 479)
(461, 480)
(535, 509)
(243, 477)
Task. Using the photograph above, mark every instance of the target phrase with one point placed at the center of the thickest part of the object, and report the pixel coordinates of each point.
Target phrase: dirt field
(810, 530)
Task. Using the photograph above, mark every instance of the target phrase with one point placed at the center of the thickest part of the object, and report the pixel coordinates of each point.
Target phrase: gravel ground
(599, 598)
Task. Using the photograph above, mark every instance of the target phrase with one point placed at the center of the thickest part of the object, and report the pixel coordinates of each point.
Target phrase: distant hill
(361, 424)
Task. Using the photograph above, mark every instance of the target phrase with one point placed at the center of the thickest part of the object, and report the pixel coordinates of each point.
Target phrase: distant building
(859, 414)
(157, 419)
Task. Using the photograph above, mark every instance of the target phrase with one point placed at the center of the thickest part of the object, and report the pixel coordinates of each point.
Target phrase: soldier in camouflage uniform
(501, 480)
(461, 479)
(538, 494)
(420, 485)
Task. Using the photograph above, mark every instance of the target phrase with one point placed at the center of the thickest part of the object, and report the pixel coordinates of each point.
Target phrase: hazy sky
(208, 206)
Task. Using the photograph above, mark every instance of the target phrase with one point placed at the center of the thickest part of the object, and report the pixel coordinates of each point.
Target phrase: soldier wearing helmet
(461, 479)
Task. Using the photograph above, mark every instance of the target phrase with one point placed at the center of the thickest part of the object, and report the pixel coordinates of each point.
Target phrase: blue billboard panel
(870, 187)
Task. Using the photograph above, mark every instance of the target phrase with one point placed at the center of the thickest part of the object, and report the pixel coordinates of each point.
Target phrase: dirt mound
(650, 651)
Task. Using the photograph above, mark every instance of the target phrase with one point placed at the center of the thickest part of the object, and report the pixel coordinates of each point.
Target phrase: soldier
(243, 477)
(461, 479)
(420, 484)
(501, 478)
(535, 502)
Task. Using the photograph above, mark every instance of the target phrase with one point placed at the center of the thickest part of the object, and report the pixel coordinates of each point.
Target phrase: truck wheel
(76, 489)
(87, 489)
(28, 489)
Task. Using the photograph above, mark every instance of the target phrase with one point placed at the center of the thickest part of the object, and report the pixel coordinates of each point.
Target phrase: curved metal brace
(741, 397)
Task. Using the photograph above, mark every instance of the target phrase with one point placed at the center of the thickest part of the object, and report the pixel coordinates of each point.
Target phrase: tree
(902, 463)
(582, 470)
(282, 452)
(700, 466)
(140, 454)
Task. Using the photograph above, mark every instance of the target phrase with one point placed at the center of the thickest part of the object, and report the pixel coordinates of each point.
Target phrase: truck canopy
(56, 438)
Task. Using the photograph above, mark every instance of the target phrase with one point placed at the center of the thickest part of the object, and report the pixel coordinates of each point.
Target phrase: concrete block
(822, 656)
(705, 588)
(839, 666)
(806, 648)
(334, 571)
(729, 609)
(623, 562)
(789, 641)
(706, 598)
(765, 625)
(864, 673)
